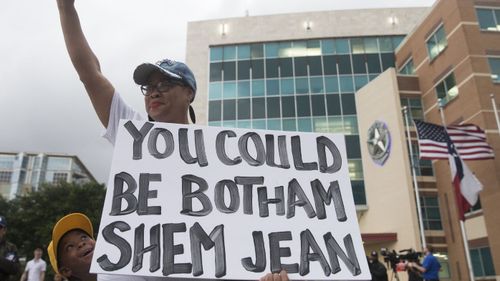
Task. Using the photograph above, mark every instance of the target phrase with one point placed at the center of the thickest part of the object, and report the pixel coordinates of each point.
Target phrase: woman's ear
(190, 95)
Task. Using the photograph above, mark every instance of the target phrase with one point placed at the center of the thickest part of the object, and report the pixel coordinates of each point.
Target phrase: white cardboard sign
(188, 201)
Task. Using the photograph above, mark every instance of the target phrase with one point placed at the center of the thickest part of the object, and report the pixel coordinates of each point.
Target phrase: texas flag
(466, 185)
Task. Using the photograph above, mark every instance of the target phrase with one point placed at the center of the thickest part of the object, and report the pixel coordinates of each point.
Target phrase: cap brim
(143, 71)
(64, 225)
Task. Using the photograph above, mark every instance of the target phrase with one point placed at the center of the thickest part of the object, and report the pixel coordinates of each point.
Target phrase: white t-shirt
(118, 110)
(34, 268)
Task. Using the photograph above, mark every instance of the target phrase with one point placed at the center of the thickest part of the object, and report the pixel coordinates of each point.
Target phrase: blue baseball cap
(173, 69)
(3, 221)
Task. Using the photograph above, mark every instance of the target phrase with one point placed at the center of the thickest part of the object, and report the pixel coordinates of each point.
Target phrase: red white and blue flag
(466, 185)
(469, 140)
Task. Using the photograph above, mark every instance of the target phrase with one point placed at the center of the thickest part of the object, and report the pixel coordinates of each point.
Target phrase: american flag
(469, 140)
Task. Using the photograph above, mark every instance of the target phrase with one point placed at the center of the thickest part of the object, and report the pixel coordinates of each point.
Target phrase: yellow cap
(64, 225)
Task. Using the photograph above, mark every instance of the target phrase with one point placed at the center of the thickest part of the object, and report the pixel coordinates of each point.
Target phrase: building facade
(26, 172)
(302, 72)
(453, 56)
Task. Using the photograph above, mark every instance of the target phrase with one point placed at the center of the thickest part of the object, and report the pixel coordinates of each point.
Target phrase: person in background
(9, 262)
(430, 265)
(377, 269)
(35, 268)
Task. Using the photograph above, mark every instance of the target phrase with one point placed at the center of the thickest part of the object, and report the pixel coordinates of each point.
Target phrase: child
(72, 248)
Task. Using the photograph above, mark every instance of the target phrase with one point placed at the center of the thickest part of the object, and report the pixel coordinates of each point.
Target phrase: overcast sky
(43, 106)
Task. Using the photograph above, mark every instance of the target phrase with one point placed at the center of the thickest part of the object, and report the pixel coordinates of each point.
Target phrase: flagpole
(415, 183)
(492, 96)
(462, 224)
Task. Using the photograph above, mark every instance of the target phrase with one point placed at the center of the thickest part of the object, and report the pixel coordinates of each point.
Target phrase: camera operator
(430, 265)
(377, 269)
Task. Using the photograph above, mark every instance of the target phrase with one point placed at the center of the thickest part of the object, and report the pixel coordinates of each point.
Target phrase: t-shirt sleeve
(118, 110)
(44, 266)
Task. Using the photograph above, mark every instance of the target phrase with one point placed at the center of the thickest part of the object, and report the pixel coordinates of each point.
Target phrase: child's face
(75, 252)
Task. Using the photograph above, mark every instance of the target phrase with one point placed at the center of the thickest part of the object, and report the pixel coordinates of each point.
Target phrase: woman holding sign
(168, 86)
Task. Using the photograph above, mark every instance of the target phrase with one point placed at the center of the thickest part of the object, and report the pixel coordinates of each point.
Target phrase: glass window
(272, 50)
(215, 91)
(286, 67)
(229, 109)
(273, 87)
(315, 66)
(488, 20)
(243, 108)
(447, 89)
(342, 46)
(355, 169)
(396, 40)
(388, 61)
(300, 66)
(302, 85)
(335, 125)
(274, 124)
(385, 44)
(229, 91)
(257, 51)
(288, 106)
(352, 146)
(350, 125)
(257, 69)
(258, 88)
(408, 68)
(358, 63)
(482, 263)
(373, 62)
(348, 104)
(289, 125)
(330, 65)
(346, 84)
(216, 71)
(299, 48)
(313, 48)
(285, 49)
(243, 69)
(414, 106)
(273, 107)
(436, 42)
(247, 124)
(357, 46)
(358, 192)
(229, 70)
(320, 124)
(344, 62)
(215, 54)
(316, 85)
(333, 105)
(304, 124)
(360, 81)
(60, 177)
(287, 86)
(243, 89)
(332, 84)
(259, 124)
(229, 123)
(243, 52)
(327, 47)
(430, 212)
(303, 106)
(229, 53)
(5, 176)
(259, 108)
(318, 105)
(58, 163)
(495, 69)
(370, 45)
(272, 68)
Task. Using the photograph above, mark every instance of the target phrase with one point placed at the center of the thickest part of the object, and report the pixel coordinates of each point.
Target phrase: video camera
(392, 258)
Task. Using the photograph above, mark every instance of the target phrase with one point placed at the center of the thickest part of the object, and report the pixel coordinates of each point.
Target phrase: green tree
(31, 217)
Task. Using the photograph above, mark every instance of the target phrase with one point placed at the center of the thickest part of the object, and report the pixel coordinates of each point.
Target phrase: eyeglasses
(161, 87)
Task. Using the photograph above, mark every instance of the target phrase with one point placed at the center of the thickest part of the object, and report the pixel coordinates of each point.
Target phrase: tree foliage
(31, 217)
